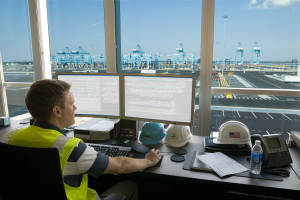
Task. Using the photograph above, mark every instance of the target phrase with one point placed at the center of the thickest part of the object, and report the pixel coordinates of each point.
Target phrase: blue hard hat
(152, 133)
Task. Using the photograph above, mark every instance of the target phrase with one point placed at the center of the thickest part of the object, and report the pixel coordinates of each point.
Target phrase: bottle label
(256, 157)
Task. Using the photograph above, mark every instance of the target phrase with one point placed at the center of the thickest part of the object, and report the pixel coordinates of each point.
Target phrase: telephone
(275, 150)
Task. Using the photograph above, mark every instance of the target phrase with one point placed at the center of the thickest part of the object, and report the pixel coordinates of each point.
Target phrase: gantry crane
(80, 56)
(238, 50)
(180, 53)
(255, 52)
(135, 57)
(179, 56)
(68, 56)
(64, 56)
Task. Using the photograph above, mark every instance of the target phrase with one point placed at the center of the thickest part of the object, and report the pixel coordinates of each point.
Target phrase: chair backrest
(30, 173)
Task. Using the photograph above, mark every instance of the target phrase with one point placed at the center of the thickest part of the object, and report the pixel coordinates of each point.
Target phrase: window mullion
(40, 39)
(207, 29)
(110, 39)
(3, 98)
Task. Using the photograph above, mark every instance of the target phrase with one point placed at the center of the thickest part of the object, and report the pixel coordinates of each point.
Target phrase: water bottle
(256, 158)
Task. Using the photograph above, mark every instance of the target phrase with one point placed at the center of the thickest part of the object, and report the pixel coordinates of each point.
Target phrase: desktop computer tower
(128, 129)
(97, 129)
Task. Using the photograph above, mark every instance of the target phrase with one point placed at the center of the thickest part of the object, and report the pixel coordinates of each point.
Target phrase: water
(256, 158)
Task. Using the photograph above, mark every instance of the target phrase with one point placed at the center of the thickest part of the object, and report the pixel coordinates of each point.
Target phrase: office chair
(32, 173)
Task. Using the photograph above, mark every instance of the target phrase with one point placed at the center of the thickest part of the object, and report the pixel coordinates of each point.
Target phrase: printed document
(222, 164)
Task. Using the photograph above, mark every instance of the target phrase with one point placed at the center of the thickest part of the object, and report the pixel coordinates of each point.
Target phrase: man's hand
(153, 156)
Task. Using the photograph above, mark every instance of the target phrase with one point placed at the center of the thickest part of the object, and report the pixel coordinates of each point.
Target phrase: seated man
(51, 104)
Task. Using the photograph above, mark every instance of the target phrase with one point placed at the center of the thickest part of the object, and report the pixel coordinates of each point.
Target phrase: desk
(14, 124)
(171, 178)
(289, 188)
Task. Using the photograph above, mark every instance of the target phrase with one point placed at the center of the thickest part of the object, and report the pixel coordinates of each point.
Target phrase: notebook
(198, 165)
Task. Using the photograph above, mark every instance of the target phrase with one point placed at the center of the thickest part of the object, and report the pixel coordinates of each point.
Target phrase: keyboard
(111, 150)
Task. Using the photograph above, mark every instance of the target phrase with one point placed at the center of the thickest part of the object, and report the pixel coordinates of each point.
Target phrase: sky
(159, 26)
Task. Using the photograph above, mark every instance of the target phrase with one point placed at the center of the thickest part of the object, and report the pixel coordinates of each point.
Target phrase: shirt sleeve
(86, 160)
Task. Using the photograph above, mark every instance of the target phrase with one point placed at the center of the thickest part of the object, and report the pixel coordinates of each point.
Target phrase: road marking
(237, 114)
(270, 116)
(244, 82)
(287, 117)
(254, 115)
(248, 85)
(268, 82)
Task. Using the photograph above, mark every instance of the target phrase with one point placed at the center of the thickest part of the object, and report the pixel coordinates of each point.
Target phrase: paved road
(262, 81)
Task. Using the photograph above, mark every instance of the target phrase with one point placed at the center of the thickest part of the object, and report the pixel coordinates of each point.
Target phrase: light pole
(224, 17)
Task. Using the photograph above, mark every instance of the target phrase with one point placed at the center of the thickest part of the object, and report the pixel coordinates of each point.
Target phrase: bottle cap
(257, 142)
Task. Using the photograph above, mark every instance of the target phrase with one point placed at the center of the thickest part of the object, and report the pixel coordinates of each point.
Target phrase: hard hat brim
(231, 141)
(177, 143)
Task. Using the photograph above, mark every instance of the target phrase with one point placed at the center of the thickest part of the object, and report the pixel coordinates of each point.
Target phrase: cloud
(95, 24)
(252, 3)
(271, 4)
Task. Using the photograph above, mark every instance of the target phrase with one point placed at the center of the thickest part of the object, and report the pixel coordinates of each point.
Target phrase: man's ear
(56, 111)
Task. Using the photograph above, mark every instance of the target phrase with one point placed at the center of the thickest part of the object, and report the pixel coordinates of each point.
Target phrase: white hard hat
(177, 135)
(233, 132)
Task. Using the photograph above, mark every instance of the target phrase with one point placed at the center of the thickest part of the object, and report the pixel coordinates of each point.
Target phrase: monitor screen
(159, 98)
(95, 94)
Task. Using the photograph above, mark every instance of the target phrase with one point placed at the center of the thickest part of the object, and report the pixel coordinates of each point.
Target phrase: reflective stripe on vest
(60, 142)
(9, 135)
(34, 136)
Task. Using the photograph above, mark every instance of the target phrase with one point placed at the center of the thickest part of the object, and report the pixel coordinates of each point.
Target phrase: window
(161, 35)
(76, 32)
(16, 51)
(256, 47)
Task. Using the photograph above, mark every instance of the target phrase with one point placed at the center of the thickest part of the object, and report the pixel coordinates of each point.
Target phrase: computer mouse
(138, 147)
(159, 162)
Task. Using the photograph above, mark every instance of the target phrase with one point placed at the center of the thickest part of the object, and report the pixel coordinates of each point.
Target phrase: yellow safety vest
(34, 136)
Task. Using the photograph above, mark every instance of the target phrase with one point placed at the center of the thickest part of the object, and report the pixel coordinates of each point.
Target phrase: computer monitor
(96, 94)
(160, 98)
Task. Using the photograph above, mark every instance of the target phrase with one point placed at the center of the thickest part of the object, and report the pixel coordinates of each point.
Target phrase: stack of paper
(222, 164)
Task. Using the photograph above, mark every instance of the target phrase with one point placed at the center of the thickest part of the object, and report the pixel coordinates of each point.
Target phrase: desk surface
(167, 167)
(14, 124)
(290, 184)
